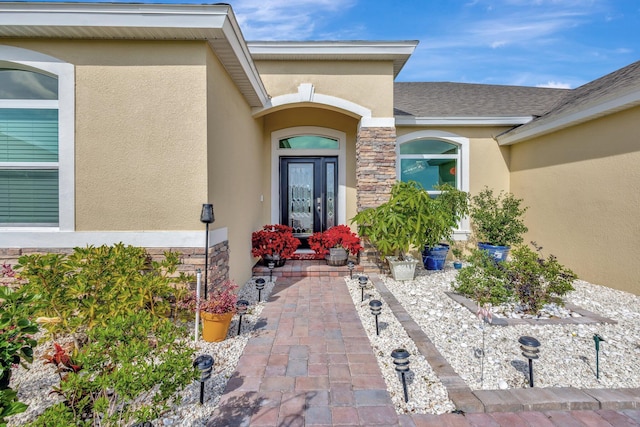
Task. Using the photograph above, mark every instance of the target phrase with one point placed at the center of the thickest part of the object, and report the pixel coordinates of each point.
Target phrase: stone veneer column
(375, 165)
(375, 175)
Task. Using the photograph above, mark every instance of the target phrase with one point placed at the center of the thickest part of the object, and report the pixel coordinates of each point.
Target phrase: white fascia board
(570, 118)
(462, 121)
(371, 49)
(75, 15)
(53, 238)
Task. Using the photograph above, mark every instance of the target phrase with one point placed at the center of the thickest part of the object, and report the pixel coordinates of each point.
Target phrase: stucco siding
(581, 185)
(236, 163)
(366, 83)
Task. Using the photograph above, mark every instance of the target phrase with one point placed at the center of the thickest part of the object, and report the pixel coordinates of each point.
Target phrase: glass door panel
(300, 191)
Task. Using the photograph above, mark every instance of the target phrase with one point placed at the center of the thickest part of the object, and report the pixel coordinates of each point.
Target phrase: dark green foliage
(94, 284)
(528, 279)
(497, 220)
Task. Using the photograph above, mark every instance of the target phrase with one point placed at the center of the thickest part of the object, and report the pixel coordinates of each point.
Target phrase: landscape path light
(362, 281)
(529, 347)
(259, 287)
(204, 363)
(376, 308)
(206, 216)
(241, 306)
(271, 266)
(597, 338)
(351, 265)
(401, 360)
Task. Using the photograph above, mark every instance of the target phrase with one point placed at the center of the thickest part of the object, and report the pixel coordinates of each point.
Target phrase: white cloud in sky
(555, 85)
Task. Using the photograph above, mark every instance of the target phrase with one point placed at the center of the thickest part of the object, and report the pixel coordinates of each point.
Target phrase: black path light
(597, 338)
(241, 306)
(204, 363)
(376, 308)
(259, 287)
(362, 281)
(401, 360)
(529, 347)
(351, 265)
(271, 266)
(207, 217)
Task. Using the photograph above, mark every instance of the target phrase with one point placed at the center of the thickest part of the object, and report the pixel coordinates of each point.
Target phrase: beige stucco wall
(236, 161)
(488, 162)
(581, 185)
(140, 132)
(366, 83)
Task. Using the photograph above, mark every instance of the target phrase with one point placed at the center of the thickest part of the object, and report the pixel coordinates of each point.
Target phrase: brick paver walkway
(311, 364)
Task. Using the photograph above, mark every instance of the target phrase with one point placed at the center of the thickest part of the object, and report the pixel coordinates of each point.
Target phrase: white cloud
(555, 85)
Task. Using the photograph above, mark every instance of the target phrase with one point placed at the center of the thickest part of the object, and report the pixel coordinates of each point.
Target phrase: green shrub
(497, 220)
(528, 279)
(131, 370)
(94, 284)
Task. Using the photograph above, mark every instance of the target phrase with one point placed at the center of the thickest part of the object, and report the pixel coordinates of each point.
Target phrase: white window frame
(17, 58)
(462, 172)
(277, 152)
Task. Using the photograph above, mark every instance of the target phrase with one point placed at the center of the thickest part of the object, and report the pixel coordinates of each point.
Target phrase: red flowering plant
(221, 300)
(275, 239)
(339, 236)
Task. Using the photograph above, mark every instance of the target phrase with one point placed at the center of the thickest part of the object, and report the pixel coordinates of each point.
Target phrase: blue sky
(554, 43)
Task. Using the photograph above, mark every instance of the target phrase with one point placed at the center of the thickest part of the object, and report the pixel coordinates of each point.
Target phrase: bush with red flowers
(275, 239)
(339, 236)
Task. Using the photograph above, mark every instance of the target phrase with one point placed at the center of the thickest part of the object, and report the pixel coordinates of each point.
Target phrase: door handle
(319, 204)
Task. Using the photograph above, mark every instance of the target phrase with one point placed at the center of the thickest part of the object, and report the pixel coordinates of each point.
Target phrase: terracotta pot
(215, 326)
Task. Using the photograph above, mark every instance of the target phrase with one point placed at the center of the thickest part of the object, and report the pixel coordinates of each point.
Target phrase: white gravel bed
(567, 352)
(34, 385)
(426, 393)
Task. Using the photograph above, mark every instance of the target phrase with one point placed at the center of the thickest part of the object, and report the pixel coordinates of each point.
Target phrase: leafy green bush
(528, 279)
(131, 370)
(94, 284)
(498, 219)
(16, 344)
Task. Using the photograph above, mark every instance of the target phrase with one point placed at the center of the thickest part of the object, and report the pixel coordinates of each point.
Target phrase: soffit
(396, 51)
(215, 24)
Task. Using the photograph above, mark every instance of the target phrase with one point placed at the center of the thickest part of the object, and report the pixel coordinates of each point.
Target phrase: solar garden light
(271, 266)
(259, 287)
(529, 347)
(362, 281)
(401, 360)
(241, 306)
(376, 308)
(351, 265)
(206, 216)
(204, 363)
(597, 338)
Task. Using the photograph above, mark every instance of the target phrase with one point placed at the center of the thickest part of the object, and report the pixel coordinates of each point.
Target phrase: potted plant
(409, 220)
(497, 221)
(216, 311)
(446, 210)
(335, 244)
(275, 242)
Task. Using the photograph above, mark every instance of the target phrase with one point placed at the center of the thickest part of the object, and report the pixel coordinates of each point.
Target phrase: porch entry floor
(306, 268)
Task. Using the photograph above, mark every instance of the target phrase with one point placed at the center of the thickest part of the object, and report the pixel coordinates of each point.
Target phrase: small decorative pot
(337, 257)
(279, 262)
(215, 326)
(457, 265)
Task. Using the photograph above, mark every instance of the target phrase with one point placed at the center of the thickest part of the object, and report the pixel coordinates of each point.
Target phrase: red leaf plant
(222, 299)
(62, 360)
(339, 236)
(274, 239)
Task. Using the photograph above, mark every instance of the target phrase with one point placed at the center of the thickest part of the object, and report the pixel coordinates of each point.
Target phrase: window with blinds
(29, 184)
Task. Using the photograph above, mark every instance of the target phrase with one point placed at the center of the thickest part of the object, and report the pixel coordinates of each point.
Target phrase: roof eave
(215, 24)
(545, 125)
(396, 51)
(462, 121)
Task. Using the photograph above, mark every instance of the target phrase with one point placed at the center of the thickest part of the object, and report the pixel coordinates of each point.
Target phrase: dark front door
(308, 191)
